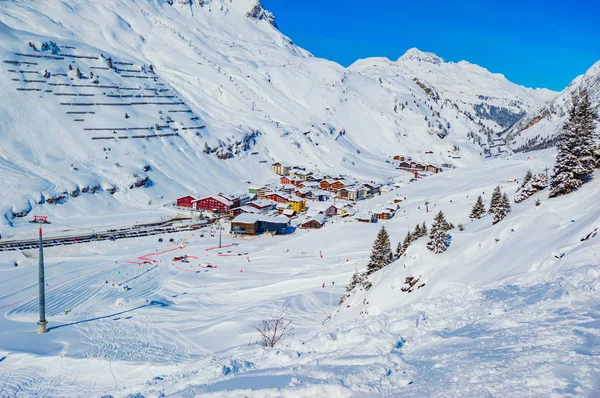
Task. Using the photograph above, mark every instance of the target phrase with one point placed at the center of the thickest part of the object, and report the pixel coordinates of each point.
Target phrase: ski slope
(517, 316)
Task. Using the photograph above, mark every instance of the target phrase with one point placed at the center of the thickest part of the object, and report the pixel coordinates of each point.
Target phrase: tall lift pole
(42, 287)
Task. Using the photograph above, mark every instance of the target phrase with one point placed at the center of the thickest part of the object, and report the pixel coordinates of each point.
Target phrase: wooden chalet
(432, 168)
(281, 207)
(289, 213)
(374, 189)
(305, 193)
(288, 189)
(418, 166)
(263, 204)
(383, 213)
(364, 217)
(337, 184)
(349, 193)
(323, 208)
(316, 222)
(326, 184)
(243, 209)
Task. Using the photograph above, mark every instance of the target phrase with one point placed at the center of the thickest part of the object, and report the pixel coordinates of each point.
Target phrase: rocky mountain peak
(258, 13)
(414, 54)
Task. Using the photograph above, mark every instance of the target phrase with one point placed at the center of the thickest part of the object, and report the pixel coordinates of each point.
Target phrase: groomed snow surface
(508, 310)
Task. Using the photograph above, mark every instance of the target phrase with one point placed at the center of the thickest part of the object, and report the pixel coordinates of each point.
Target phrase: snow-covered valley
(508, 309)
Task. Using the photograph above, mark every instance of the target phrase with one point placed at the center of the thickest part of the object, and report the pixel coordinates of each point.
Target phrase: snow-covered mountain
(203, 95)
(539, 128)
(471, 92)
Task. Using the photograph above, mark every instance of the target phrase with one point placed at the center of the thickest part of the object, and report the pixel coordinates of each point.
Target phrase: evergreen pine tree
(575, 160)
(418, 233)
(438, 237)
(536, 184)
(527, 178)
(506, 207)
(495, 202)
(424, 229)
(478, 210)
(399, 251)
(359, 280)
(403, 247)
(502, 210)
(381, 254)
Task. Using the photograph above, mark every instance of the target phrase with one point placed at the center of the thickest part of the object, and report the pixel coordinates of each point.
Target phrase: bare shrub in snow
(272, 330)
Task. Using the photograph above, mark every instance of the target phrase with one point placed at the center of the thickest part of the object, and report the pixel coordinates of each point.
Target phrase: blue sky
(535, 43)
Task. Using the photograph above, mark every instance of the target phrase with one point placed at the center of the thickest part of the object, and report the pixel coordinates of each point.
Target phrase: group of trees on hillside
(420, 231)
(499, 206)
(382, 255)
(578, 155)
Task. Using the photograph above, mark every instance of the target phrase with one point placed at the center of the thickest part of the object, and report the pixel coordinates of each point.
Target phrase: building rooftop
(218, 198)
(247, 218)
(263, 202)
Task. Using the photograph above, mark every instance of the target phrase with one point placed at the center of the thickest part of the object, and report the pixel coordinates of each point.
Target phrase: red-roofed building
(217, 204)
(186, 201)
(276, 197)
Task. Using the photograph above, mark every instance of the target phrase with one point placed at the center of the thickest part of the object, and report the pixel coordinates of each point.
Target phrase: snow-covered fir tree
(478, 210)
(424, 229)
(417, 233)
(359, 281)
(381, 254)
(403, 246)
(528, 177)
(506, 207)
(535, 184)
(575, 160)
(438, 236)
(496, 200)
(503, 209)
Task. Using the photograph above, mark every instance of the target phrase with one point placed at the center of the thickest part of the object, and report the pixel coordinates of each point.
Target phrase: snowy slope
(259, 98)
(495, 318)
(540, 126)
(466, 91)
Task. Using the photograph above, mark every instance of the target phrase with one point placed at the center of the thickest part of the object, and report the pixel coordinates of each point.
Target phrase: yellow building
(280, 169)
(297, 204)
